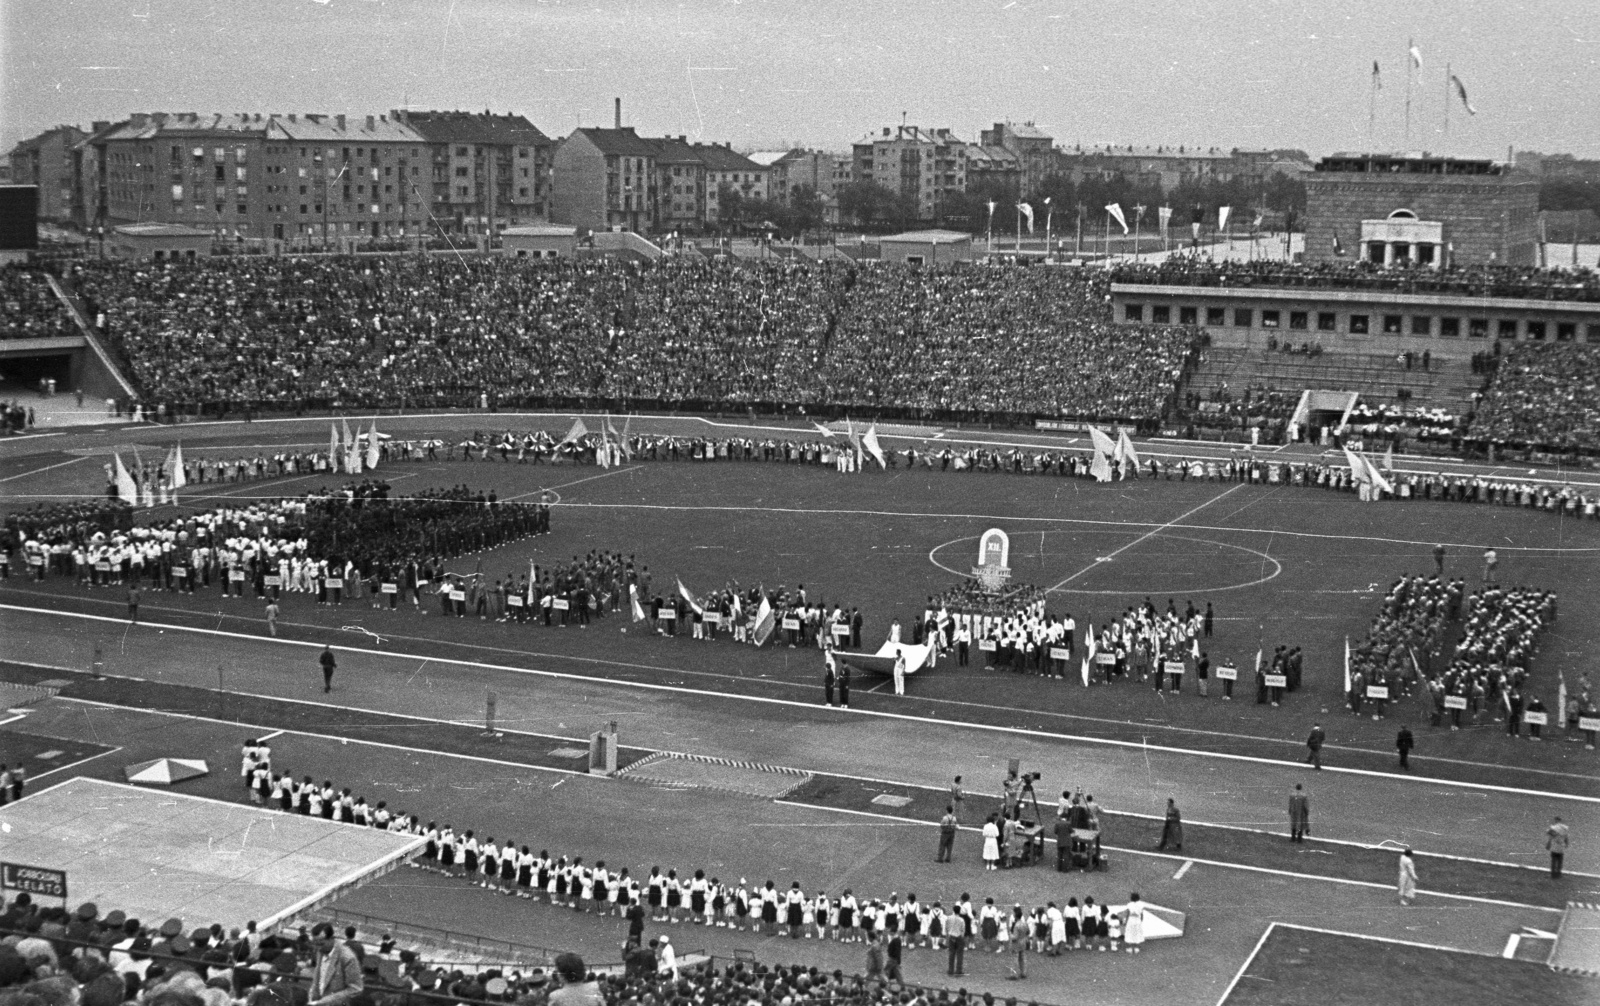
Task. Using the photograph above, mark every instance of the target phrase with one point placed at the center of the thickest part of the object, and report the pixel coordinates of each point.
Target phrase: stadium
(545, 624)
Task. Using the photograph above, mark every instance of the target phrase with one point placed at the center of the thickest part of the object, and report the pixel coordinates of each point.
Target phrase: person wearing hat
(82, 927)
(280, 987)
(336, 978)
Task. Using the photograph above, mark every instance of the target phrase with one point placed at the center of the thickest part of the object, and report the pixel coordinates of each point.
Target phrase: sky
(766, 74)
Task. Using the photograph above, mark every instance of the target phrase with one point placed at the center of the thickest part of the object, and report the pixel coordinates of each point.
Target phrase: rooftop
(472, 127)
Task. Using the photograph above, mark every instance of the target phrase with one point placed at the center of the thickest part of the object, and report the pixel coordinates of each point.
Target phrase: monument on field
(994, 553)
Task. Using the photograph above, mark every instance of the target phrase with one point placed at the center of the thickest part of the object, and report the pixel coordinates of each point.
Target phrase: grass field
(1304, 967)
(1281, 565)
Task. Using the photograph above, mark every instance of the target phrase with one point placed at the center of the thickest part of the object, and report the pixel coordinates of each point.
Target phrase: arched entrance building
(1402, 239)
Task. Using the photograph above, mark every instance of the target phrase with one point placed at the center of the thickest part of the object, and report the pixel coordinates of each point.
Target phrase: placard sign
(394, 588)
(712, 618)
(1591, 723)
(461, 595)
(34, 879)
(514, 600)
(1455, 702)
(791, 624)
(237, 576)
(840, 630)
(273, 580)
(1377, 691)
(562, 604)
(668, 613)
(1172, 666)
(1538, 719)
(1105, 659)
(180, 571)
(1277, 680)
(1227, 674)
(986, 645)
(1060, 653)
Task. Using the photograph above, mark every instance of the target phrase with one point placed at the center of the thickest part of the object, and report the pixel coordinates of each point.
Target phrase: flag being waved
(1115, 209)
(869, 440)
(684, 593)
(1027, 213)
(1461, 92)
(1416, 57)
(127, 490)
(1377, 78)
(372, 445)
(1130, 458)
(764, 621)
(179, 479)
(1102, 443)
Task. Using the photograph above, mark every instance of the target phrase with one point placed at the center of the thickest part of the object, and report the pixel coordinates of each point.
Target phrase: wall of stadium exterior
(1487, 218)
(1247, 315)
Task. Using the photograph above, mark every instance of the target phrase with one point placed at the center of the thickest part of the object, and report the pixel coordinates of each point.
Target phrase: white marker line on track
(563, 485)
(46, 468)
(1271, 871)
(1144, 537)
(1247, 962)
(1183, 869)
(795, 704)
(80, 761)
(1381, 939)
(332, 737)
(268, 737)
(1512, 941)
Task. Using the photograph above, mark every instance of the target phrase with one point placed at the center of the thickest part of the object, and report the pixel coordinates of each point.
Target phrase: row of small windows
(1363, 324)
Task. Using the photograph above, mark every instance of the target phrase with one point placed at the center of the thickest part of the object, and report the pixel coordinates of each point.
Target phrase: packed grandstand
(806, 338)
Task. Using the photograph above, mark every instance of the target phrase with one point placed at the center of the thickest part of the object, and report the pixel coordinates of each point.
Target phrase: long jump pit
(157, 854)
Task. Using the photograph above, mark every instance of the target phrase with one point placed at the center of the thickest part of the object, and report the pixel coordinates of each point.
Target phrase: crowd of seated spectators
(421, 331)
(1543, 393)
(1529, 282)
(31, 309)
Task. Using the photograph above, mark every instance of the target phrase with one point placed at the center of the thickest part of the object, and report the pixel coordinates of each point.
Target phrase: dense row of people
(688, 897)
(425, 331)
(31, 309)
(332, 542)
(1409, 629)
(1547, 394)
(1490, 663)
(1480, 280)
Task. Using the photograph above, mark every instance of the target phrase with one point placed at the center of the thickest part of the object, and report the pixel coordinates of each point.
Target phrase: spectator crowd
(437, 331)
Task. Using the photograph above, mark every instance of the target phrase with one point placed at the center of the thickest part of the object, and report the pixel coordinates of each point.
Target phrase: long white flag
(1115, 209)
(127, 491)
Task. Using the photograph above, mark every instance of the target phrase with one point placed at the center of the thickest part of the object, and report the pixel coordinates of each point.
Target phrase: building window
(1242, 317)
(243, 209)
(1299, 321)
(1593, 334)
(1188, 316)
(1393, 324)
(1421, 324)
(1271, 319)
(1327, 321)
(1133, 312)
(1450, 328)
(1566, 331)
(1506, 329)
(1161, 314)
(1478, 328)
(1359, 324)
(1536, 330)
(1216, 316)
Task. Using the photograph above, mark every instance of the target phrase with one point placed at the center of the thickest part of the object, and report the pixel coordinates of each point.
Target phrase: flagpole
(1019, 227)
(1447, 102)
(1372, 108)
(1410, 45)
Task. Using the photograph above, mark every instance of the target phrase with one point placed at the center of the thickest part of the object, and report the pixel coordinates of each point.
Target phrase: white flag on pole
(1115, 209)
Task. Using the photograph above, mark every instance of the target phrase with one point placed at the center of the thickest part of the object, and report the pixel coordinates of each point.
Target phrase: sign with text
(1590, 723)
(986, 645)
(391, 588)
(272, 581)
(1105, 659)
(1172, 666)
(1060, 653)
(1538, 719)
(712, 618)
(1378, 692)
(1228, 674)
(562, 604)
(34, 879)
(791, 624)
(1277, 680)
(1455, 702)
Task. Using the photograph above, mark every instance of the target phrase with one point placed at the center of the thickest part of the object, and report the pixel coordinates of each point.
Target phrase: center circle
(1166, 572)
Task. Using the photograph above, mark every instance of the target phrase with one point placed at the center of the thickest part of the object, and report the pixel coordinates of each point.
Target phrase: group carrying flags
(127, 490)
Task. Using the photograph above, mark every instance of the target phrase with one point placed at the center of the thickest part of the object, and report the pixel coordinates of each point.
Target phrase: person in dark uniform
(328, 664)
(844, 686)
(1209, 617)
(855, 628)
(1438, 559)
(1403, 743)
(828, 677)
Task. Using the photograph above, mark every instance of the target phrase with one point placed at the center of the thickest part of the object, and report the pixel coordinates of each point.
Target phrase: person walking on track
(328, 664)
